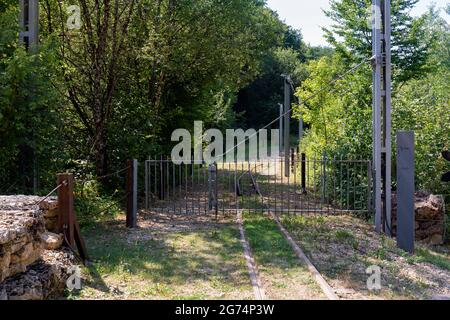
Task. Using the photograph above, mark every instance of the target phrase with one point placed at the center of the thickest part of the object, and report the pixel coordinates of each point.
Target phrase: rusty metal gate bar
(315, 186)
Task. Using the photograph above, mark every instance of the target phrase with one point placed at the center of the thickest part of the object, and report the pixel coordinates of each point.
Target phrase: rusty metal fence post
(66, 207)
(67, 221)
(303, 173)
(131, 192)
(212, 186)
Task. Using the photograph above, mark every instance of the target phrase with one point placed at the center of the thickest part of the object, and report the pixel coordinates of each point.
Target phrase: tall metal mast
(29, 37)
(287, 121)
(281, 134)
(29, 23)
(381, 36)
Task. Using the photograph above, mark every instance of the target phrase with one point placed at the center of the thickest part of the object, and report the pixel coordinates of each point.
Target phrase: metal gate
(314, 186)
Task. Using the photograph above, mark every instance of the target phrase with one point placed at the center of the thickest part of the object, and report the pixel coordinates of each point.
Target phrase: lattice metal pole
(381, 113)
(376, 110)
(29, 23)
(287, 120)
(281, 135)
(28, 36)
(387, 115)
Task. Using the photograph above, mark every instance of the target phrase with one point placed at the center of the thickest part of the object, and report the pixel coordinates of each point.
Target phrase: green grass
(344, 235)
(268, 244)
(426, 255)
(342, 247)
(198, 264)
(284, 275)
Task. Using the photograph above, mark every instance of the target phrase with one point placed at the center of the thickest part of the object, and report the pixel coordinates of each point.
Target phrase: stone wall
(48, 208)
(429, 215)
(28, 269)
(45, 279)
(20, 240)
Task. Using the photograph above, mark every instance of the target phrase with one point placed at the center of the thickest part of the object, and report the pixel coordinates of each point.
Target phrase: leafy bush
(92, 206)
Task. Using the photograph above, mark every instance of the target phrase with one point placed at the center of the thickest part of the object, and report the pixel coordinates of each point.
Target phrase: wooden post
(131, 190)
(66, 207)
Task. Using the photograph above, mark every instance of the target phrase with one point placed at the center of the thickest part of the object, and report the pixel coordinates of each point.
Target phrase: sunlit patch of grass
(343, 247)
(198, 264)
(284, 274)
(267, 243)
(435, 258)
(310, 229)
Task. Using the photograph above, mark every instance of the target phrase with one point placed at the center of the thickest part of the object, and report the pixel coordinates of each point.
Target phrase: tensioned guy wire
(51, 192)
(325, 87)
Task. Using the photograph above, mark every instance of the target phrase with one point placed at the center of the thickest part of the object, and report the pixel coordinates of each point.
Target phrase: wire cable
(64, 183)
(105, 176)
(111, 205)
(325, 87)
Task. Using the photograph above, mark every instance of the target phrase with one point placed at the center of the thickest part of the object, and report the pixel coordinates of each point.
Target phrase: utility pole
(381, 113)
(281, 135)
(29, 23)
(287, 121)
(29, 37)
(300, 126)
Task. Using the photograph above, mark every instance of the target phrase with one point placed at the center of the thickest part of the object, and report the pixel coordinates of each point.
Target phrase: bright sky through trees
(307, 15)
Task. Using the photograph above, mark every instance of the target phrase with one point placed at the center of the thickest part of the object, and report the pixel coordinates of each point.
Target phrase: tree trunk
(100, 152)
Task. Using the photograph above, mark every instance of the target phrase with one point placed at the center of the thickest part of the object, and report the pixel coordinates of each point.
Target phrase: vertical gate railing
(177, 188)
(315, 186)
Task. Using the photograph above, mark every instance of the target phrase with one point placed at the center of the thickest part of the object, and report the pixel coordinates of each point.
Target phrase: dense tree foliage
(116, 88)
(89, 99)
(257, 103)
(340, 117)
(351, 35)
(29, 108)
